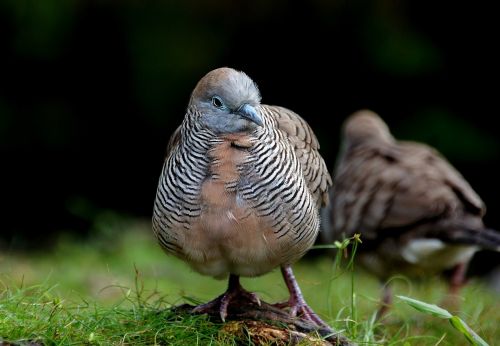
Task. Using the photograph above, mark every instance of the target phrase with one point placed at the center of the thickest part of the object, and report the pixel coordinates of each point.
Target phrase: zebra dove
(240, 189)
(416, 213)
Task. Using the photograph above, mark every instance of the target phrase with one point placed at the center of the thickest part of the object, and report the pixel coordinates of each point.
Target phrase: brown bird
(240, 189)
(416, 214)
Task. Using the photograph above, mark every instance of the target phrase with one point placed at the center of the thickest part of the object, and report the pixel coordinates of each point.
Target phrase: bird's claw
(222, 302)
(302, 311)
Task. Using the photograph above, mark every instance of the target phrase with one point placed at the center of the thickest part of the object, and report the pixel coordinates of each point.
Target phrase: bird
(240, 190)
(415, 213)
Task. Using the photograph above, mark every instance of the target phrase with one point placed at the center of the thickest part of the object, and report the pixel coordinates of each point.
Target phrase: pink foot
(233, 294)
(296, 303)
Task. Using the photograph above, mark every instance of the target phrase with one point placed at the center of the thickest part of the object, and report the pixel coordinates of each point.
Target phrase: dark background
(90, 91)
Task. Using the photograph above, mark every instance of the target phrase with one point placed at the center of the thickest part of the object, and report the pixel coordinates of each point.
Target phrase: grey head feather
(227, 101)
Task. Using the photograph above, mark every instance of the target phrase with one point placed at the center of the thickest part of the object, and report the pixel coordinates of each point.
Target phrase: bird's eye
(217, 102)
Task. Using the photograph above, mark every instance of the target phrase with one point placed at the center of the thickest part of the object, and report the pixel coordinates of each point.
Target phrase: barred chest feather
(228, 237)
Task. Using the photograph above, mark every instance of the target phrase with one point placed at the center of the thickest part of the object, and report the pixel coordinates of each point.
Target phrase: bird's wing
(451, 177)
(306, 146)
(387, 186)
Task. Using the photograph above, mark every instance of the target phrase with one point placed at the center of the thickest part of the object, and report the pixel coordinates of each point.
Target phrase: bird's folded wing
(448, 175)
(451, 177)
(306, 146)
(413, 185)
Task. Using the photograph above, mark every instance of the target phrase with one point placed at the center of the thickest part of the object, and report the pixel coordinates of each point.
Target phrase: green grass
(116, 288)
(37, 314)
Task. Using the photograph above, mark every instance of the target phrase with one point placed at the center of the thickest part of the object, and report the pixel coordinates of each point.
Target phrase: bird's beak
(250, 113)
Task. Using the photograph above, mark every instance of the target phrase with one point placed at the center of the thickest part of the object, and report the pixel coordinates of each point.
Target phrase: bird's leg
(233, 293)
(456, 282)
(296, 303)
(386, 302)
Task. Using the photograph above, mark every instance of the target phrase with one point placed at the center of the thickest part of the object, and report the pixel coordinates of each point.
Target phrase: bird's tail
(487, 239)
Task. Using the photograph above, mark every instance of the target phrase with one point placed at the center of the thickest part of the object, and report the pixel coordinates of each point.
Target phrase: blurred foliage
(42, 28)
(455, 137)
(394, 46)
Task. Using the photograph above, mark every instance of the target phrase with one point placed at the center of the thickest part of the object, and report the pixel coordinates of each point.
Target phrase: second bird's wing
(390, 187)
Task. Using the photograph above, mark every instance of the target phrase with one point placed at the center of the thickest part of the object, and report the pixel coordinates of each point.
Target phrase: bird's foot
(300, 309)
(297, 305)
(235, 294)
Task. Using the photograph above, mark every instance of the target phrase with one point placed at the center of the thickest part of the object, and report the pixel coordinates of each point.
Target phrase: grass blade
(427, 308)
(471, 336)
(455, 321)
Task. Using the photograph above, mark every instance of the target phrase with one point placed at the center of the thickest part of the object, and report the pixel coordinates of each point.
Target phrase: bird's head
(227, 101)
(365, 125)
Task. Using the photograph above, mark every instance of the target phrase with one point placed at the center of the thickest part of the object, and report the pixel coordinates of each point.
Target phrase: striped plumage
(416, 214)
(241, 184)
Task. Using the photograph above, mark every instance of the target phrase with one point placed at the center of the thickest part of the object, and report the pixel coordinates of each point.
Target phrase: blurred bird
(240, 189)
(416, 214)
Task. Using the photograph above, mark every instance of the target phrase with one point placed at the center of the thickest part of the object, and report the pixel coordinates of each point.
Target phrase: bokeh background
(91, 90)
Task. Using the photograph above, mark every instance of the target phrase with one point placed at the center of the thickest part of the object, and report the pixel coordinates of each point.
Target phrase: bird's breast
(228, 236)
(224, 211)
